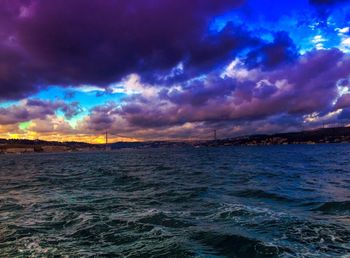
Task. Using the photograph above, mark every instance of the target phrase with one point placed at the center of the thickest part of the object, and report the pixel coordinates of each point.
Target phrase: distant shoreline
(318, 136)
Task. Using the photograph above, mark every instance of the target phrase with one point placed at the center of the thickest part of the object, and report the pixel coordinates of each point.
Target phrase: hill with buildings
(30, 146)
(319, 136)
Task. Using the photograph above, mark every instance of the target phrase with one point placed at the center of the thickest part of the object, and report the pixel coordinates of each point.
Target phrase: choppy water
(280, 201)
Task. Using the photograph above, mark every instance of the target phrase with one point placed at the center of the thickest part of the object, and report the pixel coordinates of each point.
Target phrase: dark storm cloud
(98, 42)
(18, 76)
(208, 52)
(199, 92)
(327, 2)
(324, 9)
(296, 89)
(281, 51)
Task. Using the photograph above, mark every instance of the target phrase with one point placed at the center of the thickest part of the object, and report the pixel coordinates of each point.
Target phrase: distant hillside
(28, 146)
(40, 142)
(324, 135)
(144, 145)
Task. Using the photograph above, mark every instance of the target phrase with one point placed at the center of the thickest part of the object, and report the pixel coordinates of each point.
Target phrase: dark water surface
(279, 201)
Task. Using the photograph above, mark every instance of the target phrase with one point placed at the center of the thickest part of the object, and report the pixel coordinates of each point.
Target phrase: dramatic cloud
(165, 69)
(99, 42)
(296, 89)
(282, 50)
(36, 109)
(327, 2)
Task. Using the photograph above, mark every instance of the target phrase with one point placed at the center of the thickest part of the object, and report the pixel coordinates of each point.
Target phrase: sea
(266, 201)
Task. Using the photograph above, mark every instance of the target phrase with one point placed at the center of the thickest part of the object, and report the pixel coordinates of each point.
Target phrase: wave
(145, 204)
(338, 208)
(238, 246)
(160, 219)
(261, 194)
(10, 205)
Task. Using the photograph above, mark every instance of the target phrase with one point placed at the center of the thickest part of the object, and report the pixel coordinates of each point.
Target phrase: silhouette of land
(28, 146)
(318, 136)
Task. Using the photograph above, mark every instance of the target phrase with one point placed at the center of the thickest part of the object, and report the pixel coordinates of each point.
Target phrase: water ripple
(279, 201)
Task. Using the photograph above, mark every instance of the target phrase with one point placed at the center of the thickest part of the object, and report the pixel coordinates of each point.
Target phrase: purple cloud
(343, 102)
(294, 90)
(99, 42)
(281, 51)
(180, 72)
(36, 109)
(326, 2)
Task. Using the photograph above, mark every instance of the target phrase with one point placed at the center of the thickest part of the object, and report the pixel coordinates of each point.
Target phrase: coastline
(319, 136)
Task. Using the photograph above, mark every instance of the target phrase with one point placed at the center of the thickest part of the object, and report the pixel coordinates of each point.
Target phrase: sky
(70, 70)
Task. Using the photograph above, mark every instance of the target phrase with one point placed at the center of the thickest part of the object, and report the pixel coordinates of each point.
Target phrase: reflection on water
(280, 201)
